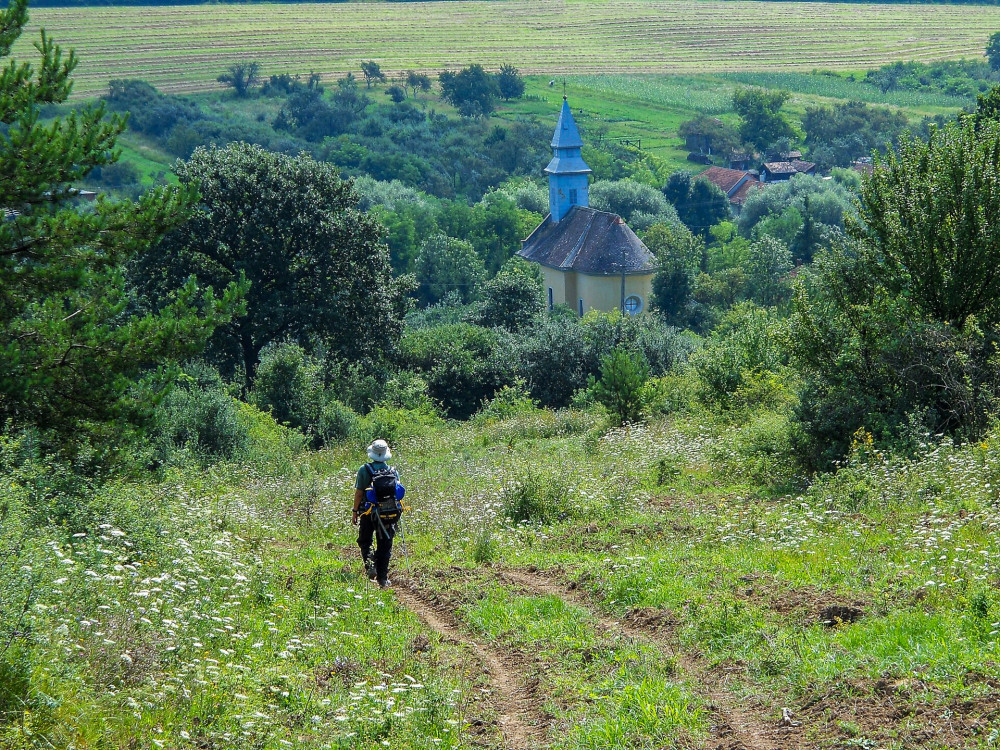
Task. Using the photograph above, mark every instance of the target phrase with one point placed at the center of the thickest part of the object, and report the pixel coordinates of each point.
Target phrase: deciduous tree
(512, 299)
(993, 50)
(445, 264)
(242, 77)
(472, 90)
(317, 269)
(416, 81)
(932, 213)
(372, 71)
(761, 121)
(509, 83)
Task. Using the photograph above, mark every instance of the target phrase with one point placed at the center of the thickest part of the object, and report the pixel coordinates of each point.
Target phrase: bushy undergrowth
(155, 612)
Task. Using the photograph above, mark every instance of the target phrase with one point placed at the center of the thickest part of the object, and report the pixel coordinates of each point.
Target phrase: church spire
(568, 181)
(567, 135)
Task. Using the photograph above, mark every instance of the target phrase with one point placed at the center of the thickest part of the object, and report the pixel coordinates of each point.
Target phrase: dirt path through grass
(521, 723)
(734, 727)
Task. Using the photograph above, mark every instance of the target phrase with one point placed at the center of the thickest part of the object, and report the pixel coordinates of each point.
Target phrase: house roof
(726, 179)
(567, 135)
(588, 241)
(789, 167)
(744, 191)
(780, 167)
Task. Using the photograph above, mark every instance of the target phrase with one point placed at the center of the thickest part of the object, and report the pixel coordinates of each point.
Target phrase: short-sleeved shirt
(364, 480)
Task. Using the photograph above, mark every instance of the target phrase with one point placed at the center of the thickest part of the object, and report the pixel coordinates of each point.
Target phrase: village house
(778, 171)
(737, 184)
(590, 259)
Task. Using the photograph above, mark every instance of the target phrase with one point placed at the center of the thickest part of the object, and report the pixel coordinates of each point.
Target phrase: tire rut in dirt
(734, 727)
(522, 725)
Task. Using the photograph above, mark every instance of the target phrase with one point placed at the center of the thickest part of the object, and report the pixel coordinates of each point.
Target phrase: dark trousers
(368, 526)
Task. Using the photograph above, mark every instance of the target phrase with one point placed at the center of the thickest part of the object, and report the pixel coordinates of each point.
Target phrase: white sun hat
(379, 451)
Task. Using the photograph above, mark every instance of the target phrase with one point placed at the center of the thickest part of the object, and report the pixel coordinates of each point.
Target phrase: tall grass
(840, 87)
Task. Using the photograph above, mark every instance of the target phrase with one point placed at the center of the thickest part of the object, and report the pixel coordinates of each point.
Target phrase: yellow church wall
(597, 292)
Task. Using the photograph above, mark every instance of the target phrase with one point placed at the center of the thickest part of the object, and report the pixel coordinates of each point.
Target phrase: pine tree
(74, 350)
(619, 388)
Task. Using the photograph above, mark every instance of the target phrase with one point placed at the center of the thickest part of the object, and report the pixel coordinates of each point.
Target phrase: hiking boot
(370, 569)
(385, 583)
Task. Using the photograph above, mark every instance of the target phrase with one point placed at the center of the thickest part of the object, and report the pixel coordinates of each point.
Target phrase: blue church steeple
(568, 182)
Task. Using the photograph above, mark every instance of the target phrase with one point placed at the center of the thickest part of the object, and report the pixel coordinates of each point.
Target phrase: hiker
(377, 509)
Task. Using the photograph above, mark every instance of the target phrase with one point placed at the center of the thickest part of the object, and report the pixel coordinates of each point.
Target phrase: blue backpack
(386, 494)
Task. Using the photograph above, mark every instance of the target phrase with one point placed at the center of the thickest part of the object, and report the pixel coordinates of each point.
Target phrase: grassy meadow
(648, 109)
(182, 49)
(560, 584)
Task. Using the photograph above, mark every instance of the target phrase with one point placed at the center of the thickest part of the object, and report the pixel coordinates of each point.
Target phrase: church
(590, 259)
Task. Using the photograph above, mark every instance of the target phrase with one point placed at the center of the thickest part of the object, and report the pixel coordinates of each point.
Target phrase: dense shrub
(829, 203)
(750, 340)
(460, 363)
(871, 360)
(638, 204)
(513, 299)
(445, 264)
(200, 416)
(535, 498)
(552, 358)
(510, 401)
(761, 451)
(291, 388)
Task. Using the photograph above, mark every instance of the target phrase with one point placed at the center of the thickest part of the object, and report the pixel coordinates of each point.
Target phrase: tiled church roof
(588, 241)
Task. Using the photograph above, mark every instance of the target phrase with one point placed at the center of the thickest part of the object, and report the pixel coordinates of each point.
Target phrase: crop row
(184, 48)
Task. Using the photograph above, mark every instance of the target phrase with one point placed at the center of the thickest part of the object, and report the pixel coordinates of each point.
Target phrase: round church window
(633, 304)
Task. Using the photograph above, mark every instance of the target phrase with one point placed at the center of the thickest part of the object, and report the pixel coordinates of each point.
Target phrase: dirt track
(522, 725)
(734, 727)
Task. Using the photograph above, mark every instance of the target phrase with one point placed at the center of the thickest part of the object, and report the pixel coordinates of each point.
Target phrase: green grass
(184, 48)
(839, 86)
(154, 166)
(648, 109)
(236, 595)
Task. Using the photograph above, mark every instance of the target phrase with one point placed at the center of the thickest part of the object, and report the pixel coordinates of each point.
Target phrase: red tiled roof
(726, 179)
(744, 191)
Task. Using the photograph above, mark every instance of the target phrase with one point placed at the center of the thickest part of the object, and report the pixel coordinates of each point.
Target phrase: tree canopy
(372, 71)
(472, 90)
(317, 268)
(510, 85)
(932, 214)
(761, 121)
(993, 50)
(448, 265)
(241, 76)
